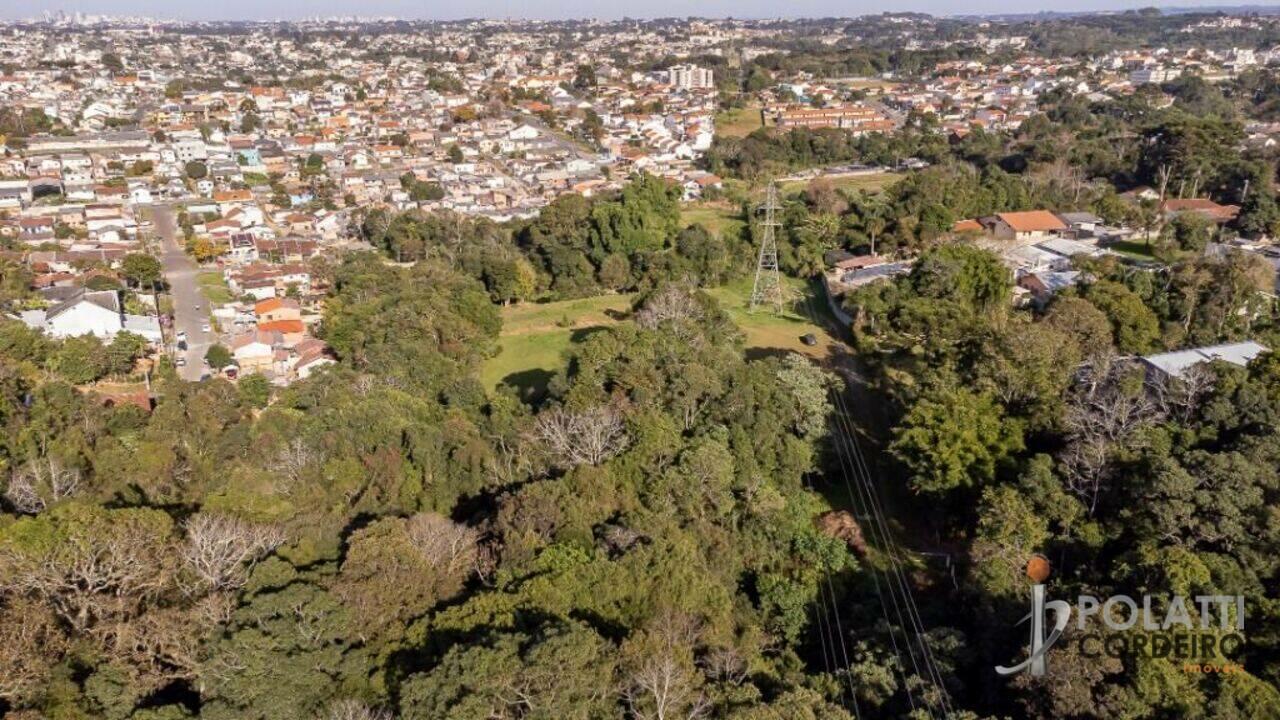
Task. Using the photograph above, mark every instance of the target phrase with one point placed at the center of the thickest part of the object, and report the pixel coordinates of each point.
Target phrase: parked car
(182, 345)
(205, 328)
(181, 361)
(809, 339)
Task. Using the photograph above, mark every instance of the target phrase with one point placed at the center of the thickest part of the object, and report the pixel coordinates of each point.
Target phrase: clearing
(738, 122)
(536, 336)
(214, 287)
(719, 218)
(870, 182)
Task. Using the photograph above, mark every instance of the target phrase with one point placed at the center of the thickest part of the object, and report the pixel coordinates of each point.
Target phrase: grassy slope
(738, 122)
(718, 218)
(874, 182)
(535, 337)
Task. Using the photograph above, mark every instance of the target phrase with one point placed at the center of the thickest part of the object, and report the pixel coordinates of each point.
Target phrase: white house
(76, 311)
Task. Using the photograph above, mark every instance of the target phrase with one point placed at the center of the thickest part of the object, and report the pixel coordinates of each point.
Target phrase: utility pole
(768, 285)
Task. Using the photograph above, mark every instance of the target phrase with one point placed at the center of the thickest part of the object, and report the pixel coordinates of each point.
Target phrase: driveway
(190, 308)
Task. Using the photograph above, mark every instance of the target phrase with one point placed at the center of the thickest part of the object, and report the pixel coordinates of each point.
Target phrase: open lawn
(536, 336)
(873, 182)
(718, 218)
(738, 122)
(214, 287)
(767, 331)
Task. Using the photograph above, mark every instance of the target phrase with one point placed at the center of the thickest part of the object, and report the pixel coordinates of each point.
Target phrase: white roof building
(1176, 364)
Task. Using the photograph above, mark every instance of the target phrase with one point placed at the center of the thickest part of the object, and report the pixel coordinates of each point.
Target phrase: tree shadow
(530, 385)
(580, 334)
(763, 353)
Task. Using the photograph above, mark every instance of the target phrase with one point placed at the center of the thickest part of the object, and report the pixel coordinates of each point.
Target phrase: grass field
(536, 336)
(768, 332)
(738, 122)
(214, 287)
(874, 182)
(1135, 249)
(718, 218)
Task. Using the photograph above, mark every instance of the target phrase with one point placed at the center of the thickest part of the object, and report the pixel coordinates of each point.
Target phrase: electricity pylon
(768, 286)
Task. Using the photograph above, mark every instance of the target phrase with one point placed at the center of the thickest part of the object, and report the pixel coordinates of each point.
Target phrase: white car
(205, 328)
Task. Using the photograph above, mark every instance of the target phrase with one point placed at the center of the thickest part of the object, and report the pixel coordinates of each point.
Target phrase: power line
(895, 555)
(825, 590)
(847, 447)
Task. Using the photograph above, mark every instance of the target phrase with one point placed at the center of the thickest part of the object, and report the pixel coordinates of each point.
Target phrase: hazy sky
(552, 9)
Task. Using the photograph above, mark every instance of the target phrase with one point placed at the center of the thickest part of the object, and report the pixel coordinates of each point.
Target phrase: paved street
(190, 309)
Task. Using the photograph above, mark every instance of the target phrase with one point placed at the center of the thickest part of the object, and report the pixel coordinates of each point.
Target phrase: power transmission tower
(768, 286)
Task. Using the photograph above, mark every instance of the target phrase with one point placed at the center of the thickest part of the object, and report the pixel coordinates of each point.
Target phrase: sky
(553, 9)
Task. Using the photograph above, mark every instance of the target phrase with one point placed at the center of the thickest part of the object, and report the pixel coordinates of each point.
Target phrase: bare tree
(1182, 396)
(220, 549)
(41, 483)
(575, 438)
(663, 682)
(1110, 402)
(671, 304)
(447, 545)
(96, 573)
(354, 710)
(31, 644)
(290, 462)
(1086, 468)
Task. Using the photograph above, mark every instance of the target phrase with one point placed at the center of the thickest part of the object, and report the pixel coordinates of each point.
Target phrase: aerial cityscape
(359, 367)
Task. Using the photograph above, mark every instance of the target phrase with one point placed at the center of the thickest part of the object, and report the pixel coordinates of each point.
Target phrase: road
(190, 308)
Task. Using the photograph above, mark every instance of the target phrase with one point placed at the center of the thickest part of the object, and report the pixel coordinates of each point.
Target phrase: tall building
(690, 77)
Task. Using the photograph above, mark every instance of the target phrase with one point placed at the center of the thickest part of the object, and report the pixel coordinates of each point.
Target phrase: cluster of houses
(1038, 246)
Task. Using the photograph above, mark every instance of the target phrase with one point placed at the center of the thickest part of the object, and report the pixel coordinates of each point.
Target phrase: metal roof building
(1174, 364)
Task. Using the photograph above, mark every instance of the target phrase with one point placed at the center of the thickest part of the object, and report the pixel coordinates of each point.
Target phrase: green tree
(141, 270)
(218, 356)
(954, 438)
(195, 170)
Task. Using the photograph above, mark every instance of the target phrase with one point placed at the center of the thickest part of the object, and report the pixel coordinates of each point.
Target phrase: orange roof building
(1032, 221)
(284, 327)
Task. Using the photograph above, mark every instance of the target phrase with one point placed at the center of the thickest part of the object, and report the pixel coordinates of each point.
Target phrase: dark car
(182, 345)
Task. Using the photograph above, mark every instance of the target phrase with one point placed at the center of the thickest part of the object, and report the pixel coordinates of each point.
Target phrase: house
(1045, 284)
(1028, 225)
(276, 309)
(75, 311)
(253, 350)
(1081, 224)
(36, 226)
(1204, 207)
(290, 332)
(311, 355)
